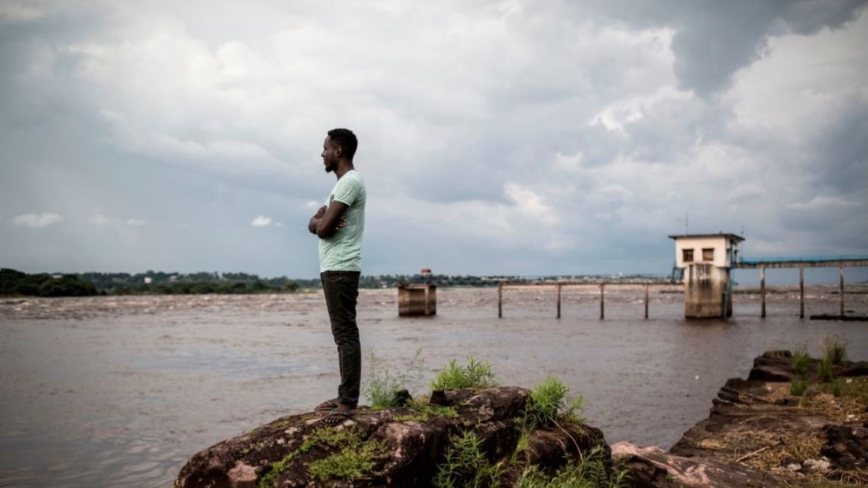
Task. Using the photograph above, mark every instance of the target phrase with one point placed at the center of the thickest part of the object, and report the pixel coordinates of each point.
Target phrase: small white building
(706, 260)
(719, 250)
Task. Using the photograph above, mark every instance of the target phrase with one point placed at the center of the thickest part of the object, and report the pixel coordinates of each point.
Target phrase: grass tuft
(801, 360)
(825, 369)
(382, 385)
(347, 463)
(799, 386)
(590, 471)
(548, 402)
(475, 374)
(834, 350)
(466, 466)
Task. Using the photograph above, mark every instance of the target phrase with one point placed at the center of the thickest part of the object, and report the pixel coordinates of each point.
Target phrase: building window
(708, 254)
(687, 255)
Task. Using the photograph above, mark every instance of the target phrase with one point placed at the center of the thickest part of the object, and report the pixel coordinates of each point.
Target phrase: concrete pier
(704, 292)
(417, 300)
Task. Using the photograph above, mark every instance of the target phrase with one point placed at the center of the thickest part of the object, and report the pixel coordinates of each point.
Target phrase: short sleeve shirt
(342, 251)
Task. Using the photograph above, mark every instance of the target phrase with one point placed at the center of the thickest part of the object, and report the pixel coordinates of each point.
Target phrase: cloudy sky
(496, 137)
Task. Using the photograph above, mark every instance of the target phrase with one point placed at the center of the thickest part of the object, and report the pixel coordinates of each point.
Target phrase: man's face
(330, 155)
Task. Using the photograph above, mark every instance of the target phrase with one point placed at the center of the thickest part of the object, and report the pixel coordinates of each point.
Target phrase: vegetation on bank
(549, 406)
(16, 283)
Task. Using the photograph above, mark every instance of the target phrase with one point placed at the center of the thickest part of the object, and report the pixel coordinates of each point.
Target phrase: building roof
(731, 237)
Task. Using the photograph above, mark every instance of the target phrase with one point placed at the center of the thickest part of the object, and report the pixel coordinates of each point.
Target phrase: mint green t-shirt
(342, 251)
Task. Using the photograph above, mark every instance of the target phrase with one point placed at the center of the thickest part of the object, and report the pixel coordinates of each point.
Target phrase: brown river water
(121, 391)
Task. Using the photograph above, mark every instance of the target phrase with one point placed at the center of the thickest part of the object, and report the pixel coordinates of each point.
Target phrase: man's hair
(346, 139)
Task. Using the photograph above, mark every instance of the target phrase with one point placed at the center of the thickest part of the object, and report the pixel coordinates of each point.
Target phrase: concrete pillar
(646, 300)
(801, 292)
(500, 300)
(602, 300)
(704, 291)
(559, 300)
(841, 291)
(763, 292)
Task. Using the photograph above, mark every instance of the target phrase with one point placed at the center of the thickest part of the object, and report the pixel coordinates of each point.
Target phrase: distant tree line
(16, 283)
(157, 282)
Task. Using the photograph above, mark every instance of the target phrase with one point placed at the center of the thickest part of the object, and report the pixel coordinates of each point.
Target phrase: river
(121, 391)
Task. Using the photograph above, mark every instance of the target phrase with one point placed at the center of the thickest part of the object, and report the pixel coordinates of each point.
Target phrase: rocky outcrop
(654, 467)
(779, 427)
(394, 447)
(763, 431)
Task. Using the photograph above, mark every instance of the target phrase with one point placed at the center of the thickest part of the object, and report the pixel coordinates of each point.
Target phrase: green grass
(589, 471)
(424, 411)
(801, 360)
(799, 386)
(825, 369)
(354, 460)
(475, 374)
(548, 402)
(466, 466)
(834, 350)
(382, 385)
(351, 463)
(836, 388)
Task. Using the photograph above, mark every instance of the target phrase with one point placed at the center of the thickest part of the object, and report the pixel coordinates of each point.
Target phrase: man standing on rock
(340, 225)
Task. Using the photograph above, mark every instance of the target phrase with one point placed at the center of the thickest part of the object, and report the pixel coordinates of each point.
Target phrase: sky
(495, 137)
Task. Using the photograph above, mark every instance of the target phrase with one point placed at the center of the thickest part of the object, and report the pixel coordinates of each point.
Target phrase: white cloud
(98, 220)
(18, 12)
(822, 203)
(135, 222)
(261, 221)
(36, 221)
(530, 204)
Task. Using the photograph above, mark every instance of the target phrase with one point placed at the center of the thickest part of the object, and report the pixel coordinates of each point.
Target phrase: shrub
(549, 402)
(836, 388)
(383, 386)
(798, 386)
(834, 350)
(801, 360)
(465, 465)
(590, 471)
(454, 376)
(825, 369)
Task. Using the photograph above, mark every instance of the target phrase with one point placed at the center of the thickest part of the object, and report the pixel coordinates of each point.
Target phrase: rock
(399, 446)
(772, 366)
(651, 467)
(817, 465)
(755, 421)
(846, 446)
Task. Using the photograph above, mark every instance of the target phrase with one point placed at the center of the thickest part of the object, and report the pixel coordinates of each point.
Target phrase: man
(339, 225)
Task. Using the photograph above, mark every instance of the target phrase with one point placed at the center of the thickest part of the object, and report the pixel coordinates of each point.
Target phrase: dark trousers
(341, 292)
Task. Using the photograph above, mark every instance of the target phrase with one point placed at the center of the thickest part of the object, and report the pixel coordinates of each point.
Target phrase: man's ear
(338, 150)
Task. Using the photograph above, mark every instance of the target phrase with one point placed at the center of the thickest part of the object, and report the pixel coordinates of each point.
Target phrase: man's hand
(327, 220)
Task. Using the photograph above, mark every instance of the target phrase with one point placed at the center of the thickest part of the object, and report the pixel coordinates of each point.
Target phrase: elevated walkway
(804, 262)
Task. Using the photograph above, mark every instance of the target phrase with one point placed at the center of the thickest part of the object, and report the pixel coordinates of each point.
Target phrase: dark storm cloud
(714, 39)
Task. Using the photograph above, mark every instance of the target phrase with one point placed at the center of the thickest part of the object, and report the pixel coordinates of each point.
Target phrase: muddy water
(121, 391)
